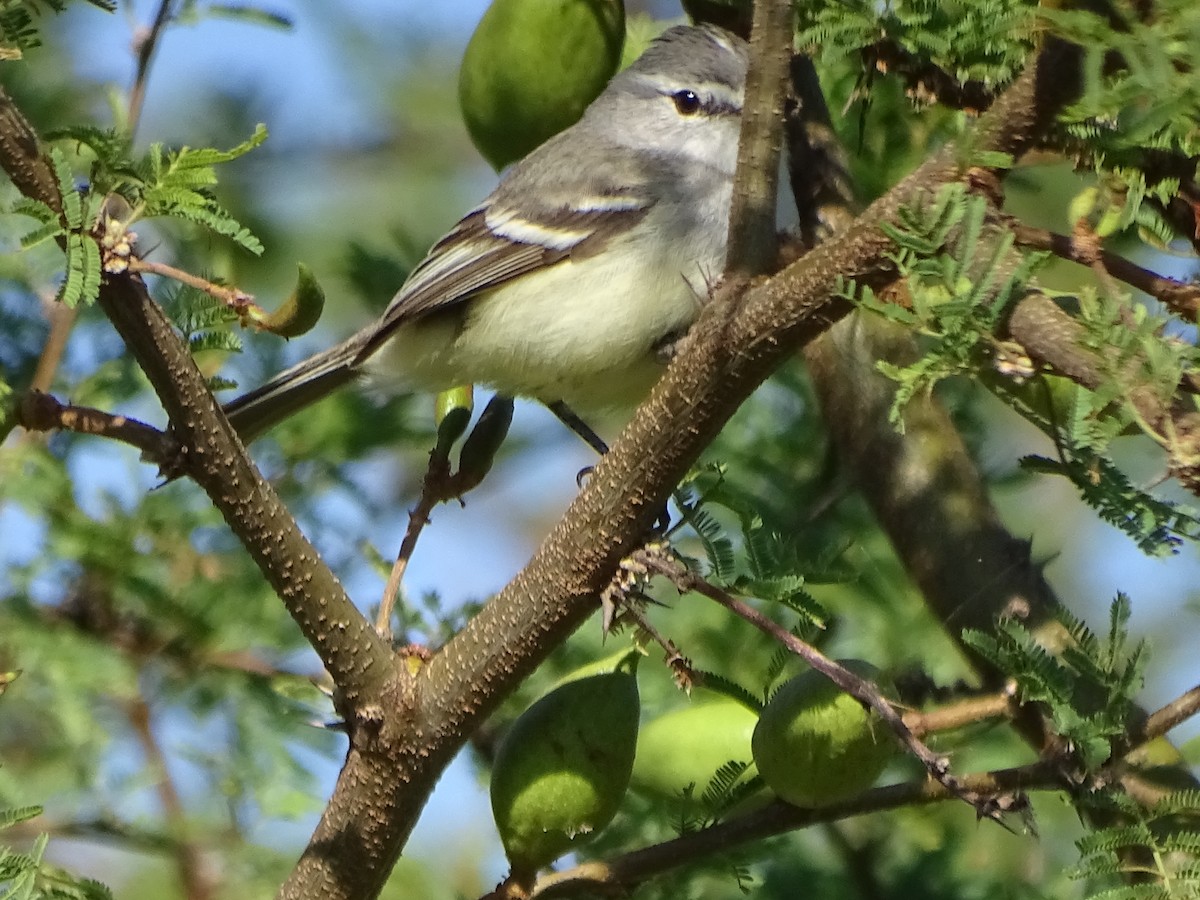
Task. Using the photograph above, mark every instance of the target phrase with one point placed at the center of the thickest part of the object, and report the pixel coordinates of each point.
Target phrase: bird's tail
(294, 389)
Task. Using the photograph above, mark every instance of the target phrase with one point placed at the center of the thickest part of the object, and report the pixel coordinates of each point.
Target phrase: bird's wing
(497, 242)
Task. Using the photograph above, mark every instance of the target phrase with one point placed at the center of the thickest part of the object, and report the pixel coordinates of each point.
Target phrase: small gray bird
(571, 280)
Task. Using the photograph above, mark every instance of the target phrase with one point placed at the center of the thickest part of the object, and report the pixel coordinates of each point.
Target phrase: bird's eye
(686, 102)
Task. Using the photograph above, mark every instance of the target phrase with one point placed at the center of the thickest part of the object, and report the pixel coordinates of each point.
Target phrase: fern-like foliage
(719, 684)
(1138, 362)
(27, 875)
(173, 184)
(168, 183)
(960, 276)
(1147, 100)
(753, 561)
(1088, 689)
(192, 11)
(702, 806)
(1158, 527)
(1148, 853)
(204, 322)
(18, 29)
(73, 231)
(968, 41)
(1135, 120)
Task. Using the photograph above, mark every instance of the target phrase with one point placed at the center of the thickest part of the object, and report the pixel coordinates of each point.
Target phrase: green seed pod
(688, 746)
(816, 745)
(299, 313)
(563, 769)
(532, 67)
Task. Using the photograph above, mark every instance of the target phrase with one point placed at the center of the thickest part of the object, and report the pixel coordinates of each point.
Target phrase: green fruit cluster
(532, 67)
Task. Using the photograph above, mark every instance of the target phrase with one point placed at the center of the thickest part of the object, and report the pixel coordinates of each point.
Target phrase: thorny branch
(42, 412)
(1180, 297)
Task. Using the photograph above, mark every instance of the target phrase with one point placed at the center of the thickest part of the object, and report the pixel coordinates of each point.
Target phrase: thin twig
(475, 460)
(1181, 298)
(434, 488)
(963, 712)
(237, 300)
(62, 320)
(682, 672)
(42, 412)
(145, 43)
(103, 829)
(1163, 719)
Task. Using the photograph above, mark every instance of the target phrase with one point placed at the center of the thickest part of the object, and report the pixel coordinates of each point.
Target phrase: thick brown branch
(354, 655)
(215, 458)
(22, 158)
(726, 358)
(920, 481)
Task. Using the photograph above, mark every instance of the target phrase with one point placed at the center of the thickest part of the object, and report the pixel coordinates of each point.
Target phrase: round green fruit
(687, 746)
(563, 769)
(532, 67)
(816, 745)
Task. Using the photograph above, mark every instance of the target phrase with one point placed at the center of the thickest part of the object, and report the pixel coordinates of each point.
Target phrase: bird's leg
(571, 419)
